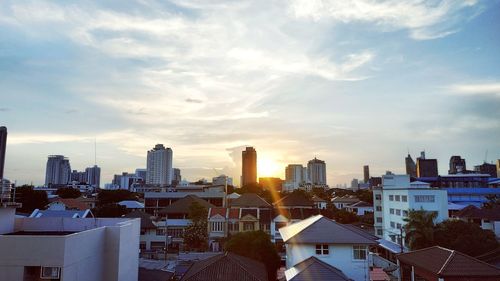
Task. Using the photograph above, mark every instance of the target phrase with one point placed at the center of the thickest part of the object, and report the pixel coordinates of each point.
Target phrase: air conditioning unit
(50, 272)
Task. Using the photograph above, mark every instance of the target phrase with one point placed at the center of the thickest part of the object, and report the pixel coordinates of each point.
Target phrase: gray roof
(314, 269)
(146, 221)
(61, 214)
(154, 275)
(319, 229)
(250, 200)
(226, 267)
(181, 206)
(173, 195)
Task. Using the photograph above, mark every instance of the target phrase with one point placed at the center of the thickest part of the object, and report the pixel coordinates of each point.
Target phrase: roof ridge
(215, 259)
(424, 249)
(320, 217)
(476, 259)
(231, 257)
(445, 264)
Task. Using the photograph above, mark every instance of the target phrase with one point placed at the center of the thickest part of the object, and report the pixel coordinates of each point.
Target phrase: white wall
(7, 216)
(340, 256)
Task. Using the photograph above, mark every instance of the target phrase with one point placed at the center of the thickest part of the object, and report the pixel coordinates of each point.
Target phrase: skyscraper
(58, 170)
(457, 165)
(177, 177)
(366, 173)
(93, 176)
(249, 166)
(80, 177)
(3, 146)
(411, 167)
(159, 166)
(316, 171)
(295, 173)
(426, 167)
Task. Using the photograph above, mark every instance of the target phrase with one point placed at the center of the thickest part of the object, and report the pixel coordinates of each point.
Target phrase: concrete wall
(7, 216)
(340, 256)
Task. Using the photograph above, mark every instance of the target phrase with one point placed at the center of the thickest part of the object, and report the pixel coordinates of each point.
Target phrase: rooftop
(314, 269)
(181, 206)
(293, 200)
(41, 233)
(250, 200)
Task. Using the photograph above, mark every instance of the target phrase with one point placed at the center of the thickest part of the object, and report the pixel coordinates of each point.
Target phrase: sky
(351, 82)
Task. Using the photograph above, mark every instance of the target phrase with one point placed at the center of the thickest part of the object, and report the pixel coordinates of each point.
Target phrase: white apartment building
(159, 166)
(316, 171)
(95, 249)
(397, 197)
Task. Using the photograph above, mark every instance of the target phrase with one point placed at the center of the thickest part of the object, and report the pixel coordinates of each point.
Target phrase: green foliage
(464, 237)
(322, 193)
(196, 234)
(346, 217)
(114, 196)
(419, 229)
(111, 210)
(365, 195)
(256, 245)
(68, 192)
(31, 199)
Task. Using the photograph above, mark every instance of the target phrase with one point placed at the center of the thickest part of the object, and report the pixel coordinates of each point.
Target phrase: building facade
(316, 171)
(159, 166)
(249, 166)
(93, 176)
(457, 165)
(58, 170)
(3, 147)
(411, 167)
(366, 174)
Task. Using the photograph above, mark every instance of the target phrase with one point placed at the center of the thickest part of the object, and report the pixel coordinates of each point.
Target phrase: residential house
(438, 263)
(360, 208)
(60, 204)
(155, 201)
(340, 202)
(131, 204)
(314, 269)
(149, 236)
(488, 219)
(330, 242)
(294, 200)
(319, 203)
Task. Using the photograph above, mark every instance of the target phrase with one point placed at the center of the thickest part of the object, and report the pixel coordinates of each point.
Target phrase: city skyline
(352, 86)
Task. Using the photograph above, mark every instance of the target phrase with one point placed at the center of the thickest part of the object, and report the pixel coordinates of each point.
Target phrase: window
(160, 232)
(218, 226)
(359, 252)
(378, 208)
(379, 232)
(322, 249)
(405, 213)
(248, 226)
(391, 197)
(404, 198)
(424, 198)
(176, 232)
(142, 246)
(398, 226)
(398, 212)
(378, 197)
(393, 225)
(379, 219)
(391, 210)
(155, 245)
(233, 226)
(398, 198)
(49, 272)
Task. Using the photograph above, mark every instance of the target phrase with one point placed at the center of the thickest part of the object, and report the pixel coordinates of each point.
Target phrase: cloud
(190, 100)
(482, 89)
(423, 19)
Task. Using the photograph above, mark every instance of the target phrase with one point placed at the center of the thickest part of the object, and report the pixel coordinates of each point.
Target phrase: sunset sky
(351, 82)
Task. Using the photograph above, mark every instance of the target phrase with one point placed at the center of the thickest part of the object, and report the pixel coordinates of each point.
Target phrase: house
(249, 200)
(226, 267)
(319, 203)
(294, 200)
(284, 217)
(61, 214)
(344, 201)
(155, 201)
(60, 204)
(330, 242)
(488, 219)
(66, 249)
(131, 204)
(149, 235)
(313, 269)
(360, 208)
(438, 263)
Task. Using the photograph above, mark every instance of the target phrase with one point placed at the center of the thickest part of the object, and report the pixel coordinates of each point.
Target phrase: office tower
(177, 177)
(457, 165)
(295, 173)
(58, 171)
(271, 183)
(355, 183)
(249, 166)
(316, 171)
(3, 146)
(366, 173)
(485, 168)
(159, 166)
(80, 177)
(426, 167)
(411, 167)
(93, 176)
(498, 168)
(141, 173)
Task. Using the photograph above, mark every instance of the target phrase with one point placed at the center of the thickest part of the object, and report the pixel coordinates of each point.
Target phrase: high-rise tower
(249, 166)
(159, 166)
(366, 174)
(411, 167)
(58, 170)
(316, 171)
(3, 146)
(457, 165)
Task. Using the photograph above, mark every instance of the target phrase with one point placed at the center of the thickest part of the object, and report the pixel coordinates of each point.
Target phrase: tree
(493, 201)
(256, 245)
(365, 195)
(31, 199)
(196, 234)
(68, 192)
(465, 237)
(114, 196)
(345, 217)
(111, 210)
(419, 229)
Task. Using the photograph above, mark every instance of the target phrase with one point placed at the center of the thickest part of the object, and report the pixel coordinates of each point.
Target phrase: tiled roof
(181, 206)
(319, 229)
(473, 212)
(296, 213)
(146, 221)
(345, 199)
(250, 200)
(234, 213)
(72, 204)
(317, 199)
(252, 212)
(217, 211)
(447, 263)
(226, 267)
(360, 204)
(313, 268)
(154, 275)
(378, 274)
(294, 199)
(265, 215)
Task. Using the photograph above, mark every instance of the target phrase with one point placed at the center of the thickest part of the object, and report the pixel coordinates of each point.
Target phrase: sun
(267, 167)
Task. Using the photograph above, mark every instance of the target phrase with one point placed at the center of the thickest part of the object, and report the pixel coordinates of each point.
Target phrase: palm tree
(419, 229)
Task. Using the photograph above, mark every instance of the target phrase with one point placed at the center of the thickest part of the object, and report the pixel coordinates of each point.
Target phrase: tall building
(457, 165)
(270, 183)
(426, 167)
(249, 166)
(141, 173)
(316, 171)
(93, 176)
(159, 166)
(355, 184)
(177, 177)
(366, 174)
(80, 177)
(58, 170)
(295, 173)
(498, 168)
(485, 168)
(3, 146)
(411, 167)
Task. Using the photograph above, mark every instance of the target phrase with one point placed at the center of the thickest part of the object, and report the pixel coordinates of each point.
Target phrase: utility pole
(401, 239)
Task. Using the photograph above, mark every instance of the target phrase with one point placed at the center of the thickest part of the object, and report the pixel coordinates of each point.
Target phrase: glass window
(405, 213)
(50, 272)
(398, 226)
(379, 232)
(322, 249)
(359, 252)
(398, 212)
(393, 225)
(398, 198)
(391, 197)
(391, 210)
(248, 226)
(379, 208)
(404, 198)
(424, 198)
(160, 231)
(234, 226)
(378, 197)
(379, 219)
(217, 226)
